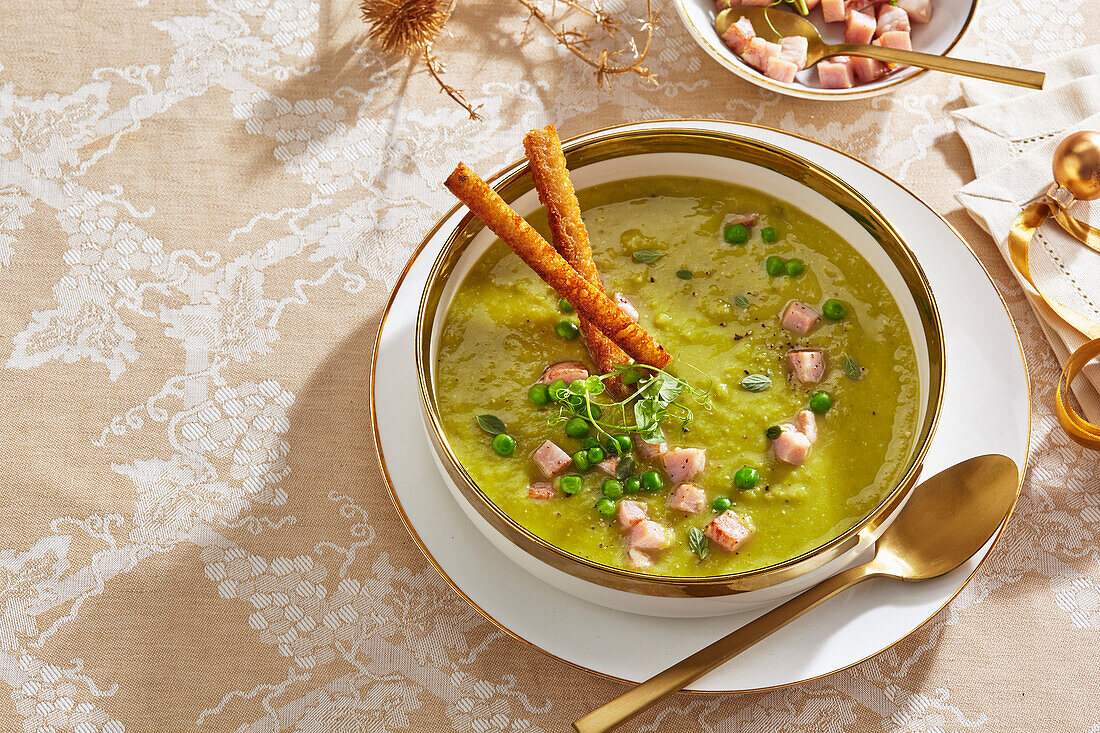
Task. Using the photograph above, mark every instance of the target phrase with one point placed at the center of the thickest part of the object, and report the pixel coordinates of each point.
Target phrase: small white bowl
(950, 20)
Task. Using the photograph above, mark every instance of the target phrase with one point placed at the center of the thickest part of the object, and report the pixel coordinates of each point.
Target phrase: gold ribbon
(1019, 245)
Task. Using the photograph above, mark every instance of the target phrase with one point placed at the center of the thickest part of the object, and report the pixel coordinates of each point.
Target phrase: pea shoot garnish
(659, 396)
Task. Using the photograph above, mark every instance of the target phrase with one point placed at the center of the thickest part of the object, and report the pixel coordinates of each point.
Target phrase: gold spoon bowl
(773, 25)
(947, 519)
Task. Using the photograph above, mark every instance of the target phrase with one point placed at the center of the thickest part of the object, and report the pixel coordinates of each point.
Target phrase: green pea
(769, 235)
(595, 455)
(570, 485)
(580, 460)
(557, 390)
(539, 394)
(618, 445)
(606, 507)
(591, 442)
(564, 306)
(820, 402)
(834, 310)
(773, 432)
(612, 489)
(632, 485)
(651, 481)
(736, 234)
(795, 268)
(596, 411)
(504, 444)
(567, 330)
(721, 504)
(577, 427)
(746, 478)
(774, 266)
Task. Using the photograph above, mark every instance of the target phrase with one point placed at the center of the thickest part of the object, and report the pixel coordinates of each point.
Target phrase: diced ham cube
(793, 49)
(648, 535)
(541, 490)
(684, 464)
(687, 498)
(631, 512)
(648, 451)
(608, 465)
(800, 318)
(781, 69)
(639, 559)
(919, 11)
(811, 4)
(566, 371)
(833, 10)
(860, 27)
(738, 35)
(757, 3)
(745, 219)
(720, 5)
(806, 365)
(626, 306)
(550, 459)
(806, 423)
(835, 73)
(759, 51)
(791, 446)
(891, 18)
(867, 70)
(729, 530)
(895, 39)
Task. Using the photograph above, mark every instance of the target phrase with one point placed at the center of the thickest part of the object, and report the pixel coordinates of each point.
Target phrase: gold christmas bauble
(1077, 165)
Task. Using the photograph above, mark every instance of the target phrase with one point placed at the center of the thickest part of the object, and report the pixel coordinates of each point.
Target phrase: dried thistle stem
(435, 68)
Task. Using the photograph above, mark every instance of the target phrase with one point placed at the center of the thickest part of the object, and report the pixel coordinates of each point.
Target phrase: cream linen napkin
(1011, 135)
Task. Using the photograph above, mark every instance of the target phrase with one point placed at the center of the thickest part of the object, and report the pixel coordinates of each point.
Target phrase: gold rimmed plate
(984, 364)
(949, 23)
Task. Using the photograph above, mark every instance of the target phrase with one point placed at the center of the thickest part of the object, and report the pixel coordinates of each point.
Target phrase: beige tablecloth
(203, 205)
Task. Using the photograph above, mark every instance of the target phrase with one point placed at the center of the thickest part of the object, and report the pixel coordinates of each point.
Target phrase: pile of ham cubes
(878, 22)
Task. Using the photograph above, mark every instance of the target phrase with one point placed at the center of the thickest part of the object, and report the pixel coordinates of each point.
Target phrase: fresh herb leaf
(773, 432)
(646, 256)
(685, 274)
(699, 543)
(756, 382)
(851, 368)
(491, 424)
(741, 301)
(625, 469)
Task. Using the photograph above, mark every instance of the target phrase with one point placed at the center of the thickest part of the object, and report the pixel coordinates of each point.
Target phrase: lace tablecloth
(203, 205)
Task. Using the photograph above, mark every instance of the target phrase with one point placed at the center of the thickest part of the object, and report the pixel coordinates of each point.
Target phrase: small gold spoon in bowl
(947, 519)
(774, 25)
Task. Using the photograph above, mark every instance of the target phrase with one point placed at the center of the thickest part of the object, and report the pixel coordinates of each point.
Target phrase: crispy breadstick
(568, 233)
(589, 301)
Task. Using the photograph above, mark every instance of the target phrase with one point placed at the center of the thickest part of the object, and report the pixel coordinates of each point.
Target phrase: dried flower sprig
(411, 27)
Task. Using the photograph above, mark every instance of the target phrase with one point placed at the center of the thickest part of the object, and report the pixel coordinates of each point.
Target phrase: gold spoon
(775, 25)
(947, 519)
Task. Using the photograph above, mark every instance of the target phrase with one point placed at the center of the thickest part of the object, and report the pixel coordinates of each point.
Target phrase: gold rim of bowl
(713, 49)
(513, 182)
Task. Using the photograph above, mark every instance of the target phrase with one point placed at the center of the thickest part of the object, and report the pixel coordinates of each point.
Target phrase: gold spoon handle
(976, 69)
(683, 673)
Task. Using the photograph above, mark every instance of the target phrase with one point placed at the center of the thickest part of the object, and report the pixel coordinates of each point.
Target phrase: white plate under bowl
(950, 20)
(984, 362)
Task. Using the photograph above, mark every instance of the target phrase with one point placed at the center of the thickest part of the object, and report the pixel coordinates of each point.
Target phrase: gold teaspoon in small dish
(774, 25)
(947, 519)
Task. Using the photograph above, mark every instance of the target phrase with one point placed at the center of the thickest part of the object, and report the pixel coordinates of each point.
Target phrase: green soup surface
(710, 300)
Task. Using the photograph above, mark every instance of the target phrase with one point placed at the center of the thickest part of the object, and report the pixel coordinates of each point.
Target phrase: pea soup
(785, 417)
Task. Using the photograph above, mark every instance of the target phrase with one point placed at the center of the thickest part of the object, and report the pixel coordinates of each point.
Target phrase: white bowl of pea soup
(780, 441)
